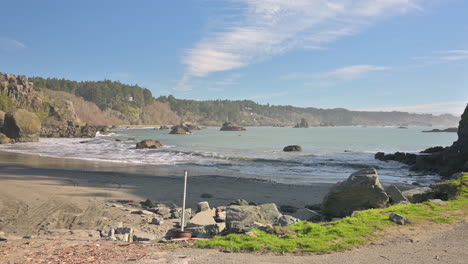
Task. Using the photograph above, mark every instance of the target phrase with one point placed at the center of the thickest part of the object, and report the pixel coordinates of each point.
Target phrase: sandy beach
(51, 209)
(39, 195)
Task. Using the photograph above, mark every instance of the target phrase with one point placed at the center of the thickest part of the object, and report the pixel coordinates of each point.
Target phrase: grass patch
(345, 233)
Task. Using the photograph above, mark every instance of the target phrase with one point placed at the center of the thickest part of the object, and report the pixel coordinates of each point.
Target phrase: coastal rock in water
(4, 139)
(448, 160)
(362, 190)
(302, 124)
(179, 130)
(22, 126)
(163, 127)
(450, 129)
(406, 158)
(148, 143)
(292, 148)
(228, 126)
(396, 197)
(241, 219)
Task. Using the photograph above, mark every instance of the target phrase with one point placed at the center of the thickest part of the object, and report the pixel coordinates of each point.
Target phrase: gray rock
(399, 219)
(204, 218)
(242, 219)
(205, 230)
(438, 202)
(419, 195)
(143, 236)
(163, 211)
(396, 197)
(286, 220)
(156, 221)
(176, 213)
(203, 206)
(362, 190)
(307, 215)
(220, 215)
(124, 234)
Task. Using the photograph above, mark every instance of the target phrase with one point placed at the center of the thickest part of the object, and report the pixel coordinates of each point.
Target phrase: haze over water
(329, 153)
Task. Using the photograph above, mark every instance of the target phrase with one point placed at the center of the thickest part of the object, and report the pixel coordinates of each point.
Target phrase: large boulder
(228, 126)
(419, 195)
(241, 219)
(148, 143)
(362, 190)
(22, 126)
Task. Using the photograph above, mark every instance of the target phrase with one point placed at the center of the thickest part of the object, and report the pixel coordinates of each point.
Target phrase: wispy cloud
(455, 107)
(265, 28)
(331, 78)
(8, 44)
(454, 55)
(216, 85)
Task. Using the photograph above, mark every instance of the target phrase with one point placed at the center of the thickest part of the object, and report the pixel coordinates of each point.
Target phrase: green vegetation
(105, 94)
(345, 233)
(6, 104)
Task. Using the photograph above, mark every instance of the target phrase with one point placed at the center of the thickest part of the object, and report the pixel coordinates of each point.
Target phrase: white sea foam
(257, 152)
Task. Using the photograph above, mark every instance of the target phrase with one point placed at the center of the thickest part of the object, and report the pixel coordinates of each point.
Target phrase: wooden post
(183, 201)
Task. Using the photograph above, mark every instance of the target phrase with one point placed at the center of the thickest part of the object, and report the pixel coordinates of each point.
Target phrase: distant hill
(109, 102)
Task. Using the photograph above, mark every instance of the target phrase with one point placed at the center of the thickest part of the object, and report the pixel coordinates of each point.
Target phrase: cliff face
(450, 160)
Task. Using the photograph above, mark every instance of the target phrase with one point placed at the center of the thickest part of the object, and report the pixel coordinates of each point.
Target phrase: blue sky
(409, 55)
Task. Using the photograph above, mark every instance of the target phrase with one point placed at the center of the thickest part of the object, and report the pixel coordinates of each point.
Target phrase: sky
(379, 55)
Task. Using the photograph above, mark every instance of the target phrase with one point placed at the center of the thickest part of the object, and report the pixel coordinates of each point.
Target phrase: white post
(183, 201)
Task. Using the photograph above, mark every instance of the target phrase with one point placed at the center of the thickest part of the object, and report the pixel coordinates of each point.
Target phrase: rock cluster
(228, 126)
(15, 87)
(444, 161)
(72, 130)
(302, 124)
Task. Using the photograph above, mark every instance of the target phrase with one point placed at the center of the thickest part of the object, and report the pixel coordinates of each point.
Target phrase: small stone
(438, 202)
(156, 221)
(399, 219)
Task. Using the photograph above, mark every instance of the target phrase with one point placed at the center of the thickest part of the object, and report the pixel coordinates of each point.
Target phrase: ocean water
(329, 153)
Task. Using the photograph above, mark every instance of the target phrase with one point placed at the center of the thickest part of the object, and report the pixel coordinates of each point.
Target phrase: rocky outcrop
(395, 195)
(302, 124)
(450, 129)
(443, 161)
(148, 143)
(406, 158)
(180, 130)
(22, 126)
(362, 190)
(228, 126)
(72, 130)
(292, 148)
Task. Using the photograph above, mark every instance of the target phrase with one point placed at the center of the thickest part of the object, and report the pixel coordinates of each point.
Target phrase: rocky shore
(444, 161)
